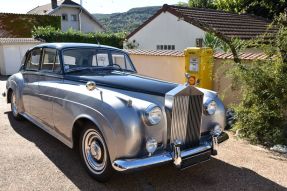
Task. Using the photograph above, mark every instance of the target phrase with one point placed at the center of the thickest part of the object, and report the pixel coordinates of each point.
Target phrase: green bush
(261, 115)
(51, 34)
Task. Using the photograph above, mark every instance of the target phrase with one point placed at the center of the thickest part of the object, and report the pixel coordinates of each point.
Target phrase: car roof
(61, 46)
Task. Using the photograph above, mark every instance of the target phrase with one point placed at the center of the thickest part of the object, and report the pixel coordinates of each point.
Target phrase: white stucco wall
(11, 56)
(88, 24)
(167, 29)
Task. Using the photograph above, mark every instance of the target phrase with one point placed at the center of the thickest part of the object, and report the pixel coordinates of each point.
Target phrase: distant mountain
(127, 21)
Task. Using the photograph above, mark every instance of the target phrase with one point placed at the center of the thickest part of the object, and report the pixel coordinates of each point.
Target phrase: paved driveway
(30, 159)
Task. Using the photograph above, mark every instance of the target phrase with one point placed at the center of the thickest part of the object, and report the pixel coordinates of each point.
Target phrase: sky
(93, 6)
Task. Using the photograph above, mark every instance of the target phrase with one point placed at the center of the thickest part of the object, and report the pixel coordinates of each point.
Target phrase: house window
(64, 17)
(74, 17)
(199, 42)
(165, 47)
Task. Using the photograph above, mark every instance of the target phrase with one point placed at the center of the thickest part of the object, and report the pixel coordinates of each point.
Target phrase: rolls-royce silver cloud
(90, 97)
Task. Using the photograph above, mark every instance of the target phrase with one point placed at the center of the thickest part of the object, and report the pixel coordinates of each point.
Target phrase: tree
(264, 8)
(235, 6)
(261, 115)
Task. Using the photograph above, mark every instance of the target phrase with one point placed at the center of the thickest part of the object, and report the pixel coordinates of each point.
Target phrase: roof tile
(175, 53)
(229, 25)
(18, 40)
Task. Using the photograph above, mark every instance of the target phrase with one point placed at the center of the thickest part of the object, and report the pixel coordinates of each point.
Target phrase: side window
(119, 59)
(34, 60)
(122, 60)
(51, 61)
(57, 65)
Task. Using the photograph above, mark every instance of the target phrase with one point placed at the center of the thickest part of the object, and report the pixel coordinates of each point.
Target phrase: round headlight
(210, 108)
(153, 115)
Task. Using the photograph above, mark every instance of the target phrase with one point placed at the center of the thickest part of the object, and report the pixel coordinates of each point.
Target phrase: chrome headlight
(153, 115)
(210, 107)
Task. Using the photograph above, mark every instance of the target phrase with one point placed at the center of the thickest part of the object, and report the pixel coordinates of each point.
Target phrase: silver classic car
(91, 98)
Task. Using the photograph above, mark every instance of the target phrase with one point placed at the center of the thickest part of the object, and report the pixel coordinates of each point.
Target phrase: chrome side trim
(134, 164)
(47, 129)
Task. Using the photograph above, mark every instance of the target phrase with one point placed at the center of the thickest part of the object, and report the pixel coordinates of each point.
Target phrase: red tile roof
(19, 40)
(155, 52)
(226, 24)
(175, 53)
(242, 56)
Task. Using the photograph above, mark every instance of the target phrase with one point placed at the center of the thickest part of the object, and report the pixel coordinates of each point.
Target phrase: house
(73, 15)
(175, 28)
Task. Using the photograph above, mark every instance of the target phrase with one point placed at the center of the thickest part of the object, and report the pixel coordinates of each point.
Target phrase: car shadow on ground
(212, 175)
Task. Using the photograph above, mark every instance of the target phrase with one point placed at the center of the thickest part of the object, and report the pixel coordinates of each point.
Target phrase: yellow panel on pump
(199, 66)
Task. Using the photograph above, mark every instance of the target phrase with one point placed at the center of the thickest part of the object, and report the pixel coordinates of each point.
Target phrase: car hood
(127, 81)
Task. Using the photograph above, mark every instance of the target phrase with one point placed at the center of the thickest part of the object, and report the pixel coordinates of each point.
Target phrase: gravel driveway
(30, 159)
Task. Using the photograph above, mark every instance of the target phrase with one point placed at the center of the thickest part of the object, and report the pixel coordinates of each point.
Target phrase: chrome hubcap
(94, 151)
(14, 105)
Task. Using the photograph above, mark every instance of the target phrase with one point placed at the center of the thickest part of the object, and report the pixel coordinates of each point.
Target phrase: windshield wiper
(91, 69)
(78, 69)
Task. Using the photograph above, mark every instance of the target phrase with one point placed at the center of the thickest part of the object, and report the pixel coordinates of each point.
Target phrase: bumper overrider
(181, 159)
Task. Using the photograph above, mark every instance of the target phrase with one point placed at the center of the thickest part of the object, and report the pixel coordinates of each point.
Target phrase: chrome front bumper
(206, 148)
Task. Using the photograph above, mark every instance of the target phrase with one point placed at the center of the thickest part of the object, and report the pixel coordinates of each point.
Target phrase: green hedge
(20, 25)
(51, 34)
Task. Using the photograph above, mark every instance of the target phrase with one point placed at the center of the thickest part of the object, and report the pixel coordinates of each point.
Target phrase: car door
(50, 76)
(30, 76)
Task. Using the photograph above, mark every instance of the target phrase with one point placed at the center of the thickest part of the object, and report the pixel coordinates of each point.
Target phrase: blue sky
(94, 6)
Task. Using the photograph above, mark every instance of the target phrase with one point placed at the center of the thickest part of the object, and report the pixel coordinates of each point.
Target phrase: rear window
(33, 61)
(51, 61)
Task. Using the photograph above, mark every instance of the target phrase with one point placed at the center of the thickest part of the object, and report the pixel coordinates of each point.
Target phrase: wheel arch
(9, 94)
(84, 120)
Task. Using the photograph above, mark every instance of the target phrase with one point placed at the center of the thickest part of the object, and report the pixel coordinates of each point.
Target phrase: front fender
(119, 123)
(16, 84)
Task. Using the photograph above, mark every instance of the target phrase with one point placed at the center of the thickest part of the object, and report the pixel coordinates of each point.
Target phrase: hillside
(127, 21)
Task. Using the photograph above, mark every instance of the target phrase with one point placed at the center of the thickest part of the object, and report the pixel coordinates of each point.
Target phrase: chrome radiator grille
(186, 119)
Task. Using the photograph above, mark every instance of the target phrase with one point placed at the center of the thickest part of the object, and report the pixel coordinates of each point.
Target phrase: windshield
(80, 59)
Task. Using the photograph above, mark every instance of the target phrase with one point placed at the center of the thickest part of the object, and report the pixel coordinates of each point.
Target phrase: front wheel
(94, 154)
(14, 107)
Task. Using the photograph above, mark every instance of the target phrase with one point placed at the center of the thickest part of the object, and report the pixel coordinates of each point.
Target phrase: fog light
(217, 130)
(151, 145)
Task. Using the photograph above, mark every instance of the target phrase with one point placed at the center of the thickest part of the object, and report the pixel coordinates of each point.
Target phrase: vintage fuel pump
(199, 66)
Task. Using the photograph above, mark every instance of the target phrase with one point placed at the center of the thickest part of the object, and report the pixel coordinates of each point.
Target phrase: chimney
(54, 4)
